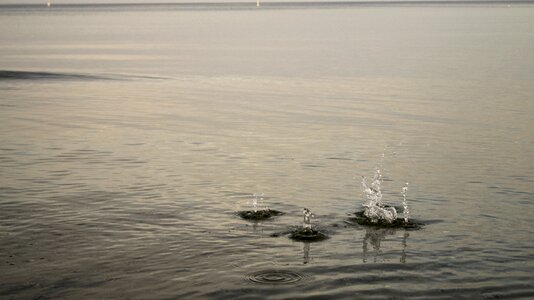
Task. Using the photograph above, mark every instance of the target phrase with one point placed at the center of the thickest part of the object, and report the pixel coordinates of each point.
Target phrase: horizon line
(282, 3)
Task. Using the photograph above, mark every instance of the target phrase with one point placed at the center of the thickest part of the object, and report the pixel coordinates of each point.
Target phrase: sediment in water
(259, 215)
(307, 235)
(361, 219)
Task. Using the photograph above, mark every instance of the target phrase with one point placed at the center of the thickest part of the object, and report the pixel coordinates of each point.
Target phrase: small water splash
(307, 232)
(374, 209)
(307, 219)
(406, 211)
(255, 200)
(258, 214)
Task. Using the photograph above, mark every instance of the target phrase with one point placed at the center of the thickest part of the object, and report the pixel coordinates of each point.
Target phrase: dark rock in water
(307, 235)
(259, 215)
(361, 219)
(397, 223)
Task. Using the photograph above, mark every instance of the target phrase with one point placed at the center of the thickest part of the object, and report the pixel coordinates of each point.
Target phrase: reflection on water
(404, 246)
(375, 236)
(256, 228)
(306, 250)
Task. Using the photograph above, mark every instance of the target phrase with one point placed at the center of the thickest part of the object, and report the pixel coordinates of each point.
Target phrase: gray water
(131, 135)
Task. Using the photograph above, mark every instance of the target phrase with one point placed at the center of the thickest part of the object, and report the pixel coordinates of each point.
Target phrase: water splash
(307, 219)
(307, 233)
(406, 211)
(255, 200)
(257, 214)
(374, 209)
(377, 214)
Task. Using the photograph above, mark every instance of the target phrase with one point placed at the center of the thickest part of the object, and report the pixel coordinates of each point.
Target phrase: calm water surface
(129, 137)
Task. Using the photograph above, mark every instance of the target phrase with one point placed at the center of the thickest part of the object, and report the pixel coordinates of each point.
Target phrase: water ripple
(275, 277)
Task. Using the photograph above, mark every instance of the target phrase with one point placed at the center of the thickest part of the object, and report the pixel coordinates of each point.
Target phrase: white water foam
(374, 209)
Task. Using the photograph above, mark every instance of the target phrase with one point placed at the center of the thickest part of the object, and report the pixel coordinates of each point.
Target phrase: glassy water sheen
(130, 136)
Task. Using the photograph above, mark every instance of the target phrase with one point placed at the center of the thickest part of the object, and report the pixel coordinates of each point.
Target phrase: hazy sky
(107, 1)
(126, 1)
(143, 1)
(118, 1)
(171, 1)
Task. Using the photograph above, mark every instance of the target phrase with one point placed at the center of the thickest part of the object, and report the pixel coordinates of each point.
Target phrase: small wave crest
(24, 75)
(37, 75)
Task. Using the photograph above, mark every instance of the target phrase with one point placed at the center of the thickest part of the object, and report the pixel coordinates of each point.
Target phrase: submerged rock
(308, 235)
(361, 219)
(259, 215)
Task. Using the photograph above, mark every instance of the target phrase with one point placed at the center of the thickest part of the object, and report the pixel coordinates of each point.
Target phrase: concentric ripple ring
(275, 277)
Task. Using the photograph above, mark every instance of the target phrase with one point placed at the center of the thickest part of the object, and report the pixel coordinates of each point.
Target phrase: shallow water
(130, 137)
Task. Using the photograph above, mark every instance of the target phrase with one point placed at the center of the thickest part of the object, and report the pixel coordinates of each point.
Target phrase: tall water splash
(373, 191)
(374, 209)
(307, 219)
(406, 211)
